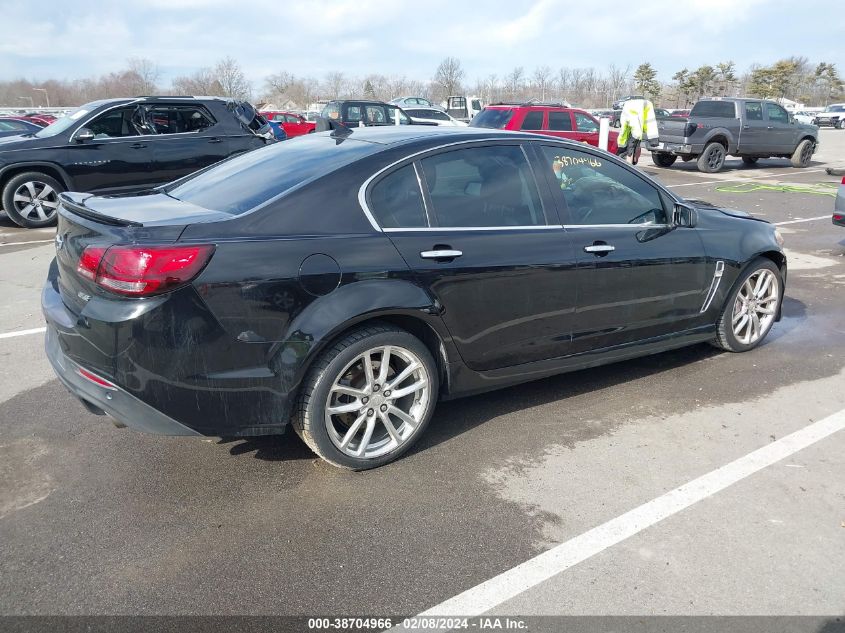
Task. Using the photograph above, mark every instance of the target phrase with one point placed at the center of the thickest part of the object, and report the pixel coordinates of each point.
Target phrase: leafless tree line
(586, 87)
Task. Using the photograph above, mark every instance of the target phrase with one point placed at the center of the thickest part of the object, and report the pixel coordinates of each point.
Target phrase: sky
(64, 40)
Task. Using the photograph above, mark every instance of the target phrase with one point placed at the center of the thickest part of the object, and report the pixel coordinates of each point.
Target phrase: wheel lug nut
(371, 412)
(383, 407)
(376, 387)
(365, 400)
(387, 393)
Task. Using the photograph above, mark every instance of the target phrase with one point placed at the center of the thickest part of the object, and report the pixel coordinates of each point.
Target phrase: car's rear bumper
(678, 149)
(110, 398)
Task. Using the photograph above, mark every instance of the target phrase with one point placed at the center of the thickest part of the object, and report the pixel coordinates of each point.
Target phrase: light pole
(46, 96)
(31, 102)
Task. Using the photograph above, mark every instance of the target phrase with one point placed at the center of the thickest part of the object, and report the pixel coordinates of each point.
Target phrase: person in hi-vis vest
(638, 124)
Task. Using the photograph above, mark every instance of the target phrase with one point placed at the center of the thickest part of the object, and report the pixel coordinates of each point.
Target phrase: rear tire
(803, 154)
(712, 159)
(662, 159)
(31, 199)
(750, 160)
(346, 412)
(750, 310)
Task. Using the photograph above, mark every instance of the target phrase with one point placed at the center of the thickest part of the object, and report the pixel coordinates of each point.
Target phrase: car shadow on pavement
(455, 417)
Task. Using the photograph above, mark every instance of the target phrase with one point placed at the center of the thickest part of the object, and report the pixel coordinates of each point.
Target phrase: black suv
(119, 145)
(359, 112)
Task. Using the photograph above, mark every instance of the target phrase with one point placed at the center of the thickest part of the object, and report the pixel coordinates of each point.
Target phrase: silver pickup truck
(748, 128)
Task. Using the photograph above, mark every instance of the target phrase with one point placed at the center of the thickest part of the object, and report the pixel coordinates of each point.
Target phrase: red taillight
(90, 262)
(143, 270)
(843, 180)
(97, 380)
(838, 217)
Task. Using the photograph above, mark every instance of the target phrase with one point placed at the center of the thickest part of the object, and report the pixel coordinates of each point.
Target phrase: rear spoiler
(79, 208)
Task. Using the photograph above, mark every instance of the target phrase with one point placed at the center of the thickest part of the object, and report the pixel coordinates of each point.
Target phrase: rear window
(492, 118)
(252, 179)
(714, 109)
(836, 108)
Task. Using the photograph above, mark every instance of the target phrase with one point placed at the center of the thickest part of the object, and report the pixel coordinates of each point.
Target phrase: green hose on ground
(820, 189)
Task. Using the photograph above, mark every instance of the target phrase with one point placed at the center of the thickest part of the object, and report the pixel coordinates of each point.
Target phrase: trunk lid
(86, 220)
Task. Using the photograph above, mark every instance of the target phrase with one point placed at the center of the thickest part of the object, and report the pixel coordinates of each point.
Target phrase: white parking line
(22, 243)
(38, 330)
(509, 584)
(751, 179)
(820, 217)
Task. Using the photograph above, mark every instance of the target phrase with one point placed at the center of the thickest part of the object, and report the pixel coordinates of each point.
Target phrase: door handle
(746, 127)
(770, 127)
(138, 145)
(599, 249)
(214, 139)
(443, 254)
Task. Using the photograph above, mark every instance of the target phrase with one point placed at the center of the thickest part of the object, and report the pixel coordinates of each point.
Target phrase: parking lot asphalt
(100, 520)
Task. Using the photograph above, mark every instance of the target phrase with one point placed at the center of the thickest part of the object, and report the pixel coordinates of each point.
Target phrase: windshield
(495, 119)
(836, 108)
(252, 179)
(60, 125)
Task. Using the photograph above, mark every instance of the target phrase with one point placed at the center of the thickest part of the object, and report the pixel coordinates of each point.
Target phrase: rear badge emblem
(60, 242)
(83, 296)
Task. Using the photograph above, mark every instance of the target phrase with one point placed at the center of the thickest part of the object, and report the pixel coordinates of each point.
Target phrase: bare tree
(148, 75)
(449, 75)
(202, 82)
(617, 81)
(542, 80)
(279, 83)
(335, 84)
(564, 78)
(514, 82)
(232, 79)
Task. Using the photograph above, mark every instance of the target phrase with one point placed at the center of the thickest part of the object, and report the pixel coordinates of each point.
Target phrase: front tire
(368, 398)
(712, 159)
(751, 308)
(662, 159)
(31, 199)
(803, 154)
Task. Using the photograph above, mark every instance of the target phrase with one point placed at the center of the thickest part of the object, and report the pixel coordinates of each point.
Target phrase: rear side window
(560, 121)
(492, 118)
(396, 200)
(585, 123)
(714, 109)
(754, 111)
(532, 121)
(167, 119)
(252, 179)
(482, 187)
(353, 113)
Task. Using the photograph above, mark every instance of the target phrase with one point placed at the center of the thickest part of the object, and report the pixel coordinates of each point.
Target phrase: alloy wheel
(35, 200)
(377, 402)
(715, 157)
(806, 153)
(755, 306)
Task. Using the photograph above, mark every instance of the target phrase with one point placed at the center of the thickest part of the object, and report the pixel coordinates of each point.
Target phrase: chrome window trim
(541, 227)
(646, 225)
(362, 191)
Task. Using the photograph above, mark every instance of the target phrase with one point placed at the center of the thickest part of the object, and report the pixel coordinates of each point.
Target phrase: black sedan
(344, 282)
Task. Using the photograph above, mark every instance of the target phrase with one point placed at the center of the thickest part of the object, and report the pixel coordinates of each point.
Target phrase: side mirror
(684, 216)
(84, 134)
